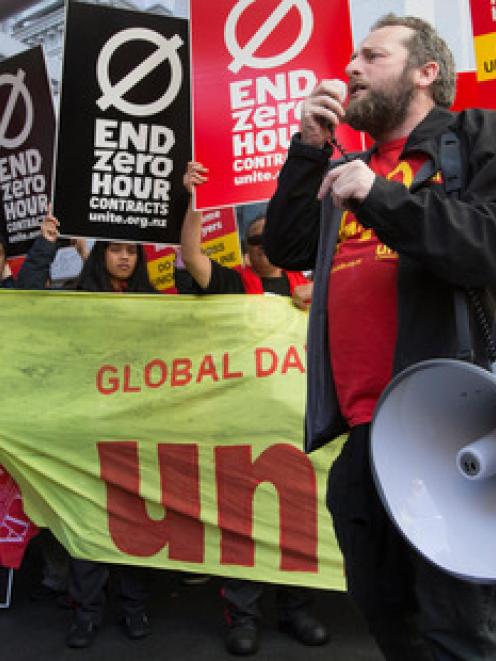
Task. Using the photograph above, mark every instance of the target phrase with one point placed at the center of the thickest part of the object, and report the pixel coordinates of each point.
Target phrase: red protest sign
(484, 30)
(15, 528)
(160, 264)
(467, 91)
(220, 238)
(251, 70)
(483, 16)
(487, 95)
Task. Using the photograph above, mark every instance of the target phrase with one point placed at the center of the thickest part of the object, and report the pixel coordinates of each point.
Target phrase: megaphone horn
(433, 455)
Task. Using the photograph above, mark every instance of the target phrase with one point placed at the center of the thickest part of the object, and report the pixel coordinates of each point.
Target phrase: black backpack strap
(450, 158)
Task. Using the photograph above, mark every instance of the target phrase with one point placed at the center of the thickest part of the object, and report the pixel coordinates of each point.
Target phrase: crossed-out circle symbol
(245, 56)
(18, 88)
(113, 94)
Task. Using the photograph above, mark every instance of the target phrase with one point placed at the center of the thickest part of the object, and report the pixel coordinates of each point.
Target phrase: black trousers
(414, 610)
(243, 598)
(87, 582)
(55, 562)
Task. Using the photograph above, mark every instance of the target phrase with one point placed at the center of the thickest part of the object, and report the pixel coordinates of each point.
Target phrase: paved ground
(187, 626)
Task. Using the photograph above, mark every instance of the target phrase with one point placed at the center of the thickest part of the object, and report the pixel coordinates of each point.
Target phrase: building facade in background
(42, 22)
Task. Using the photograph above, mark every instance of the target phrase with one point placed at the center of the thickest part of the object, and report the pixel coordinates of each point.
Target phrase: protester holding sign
(259, 277)
(35, 270)
(398, 237)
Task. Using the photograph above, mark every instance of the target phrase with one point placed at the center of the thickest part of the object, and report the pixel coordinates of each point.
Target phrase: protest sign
(167, 431)
(27, 129)
(484, 29)
(251, 70)
(467, 92)
(220, 238)
(124, 129)
(15, 528)
(161, 264)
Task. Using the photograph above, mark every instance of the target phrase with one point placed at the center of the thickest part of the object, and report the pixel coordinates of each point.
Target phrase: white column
(10, 46)
(465, 41)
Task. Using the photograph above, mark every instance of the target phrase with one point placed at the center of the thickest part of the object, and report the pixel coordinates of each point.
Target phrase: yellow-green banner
(167, 432)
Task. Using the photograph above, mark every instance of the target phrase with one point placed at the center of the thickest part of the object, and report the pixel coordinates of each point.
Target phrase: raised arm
(35, 271)
(197, 264)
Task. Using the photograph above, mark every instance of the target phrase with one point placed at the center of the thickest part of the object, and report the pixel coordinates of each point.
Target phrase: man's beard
(381, 111)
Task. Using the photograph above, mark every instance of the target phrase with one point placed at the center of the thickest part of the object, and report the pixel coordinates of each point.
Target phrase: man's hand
(195, 174)
(302, 295)
(350, 182)
(49, 227)
(321, 112)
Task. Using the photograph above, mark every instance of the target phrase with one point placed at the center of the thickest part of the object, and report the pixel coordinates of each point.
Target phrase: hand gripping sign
(262, 57)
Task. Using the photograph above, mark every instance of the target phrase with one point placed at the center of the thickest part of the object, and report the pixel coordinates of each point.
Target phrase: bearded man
(393, 246)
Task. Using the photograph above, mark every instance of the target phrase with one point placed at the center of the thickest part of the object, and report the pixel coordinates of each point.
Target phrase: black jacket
(35, 271)
(443, 243)
(8, 283)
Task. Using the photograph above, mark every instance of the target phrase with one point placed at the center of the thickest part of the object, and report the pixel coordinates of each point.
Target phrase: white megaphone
(433, 456)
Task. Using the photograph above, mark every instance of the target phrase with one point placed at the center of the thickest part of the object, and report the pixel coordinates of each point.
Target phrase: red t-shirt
(362, 300)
